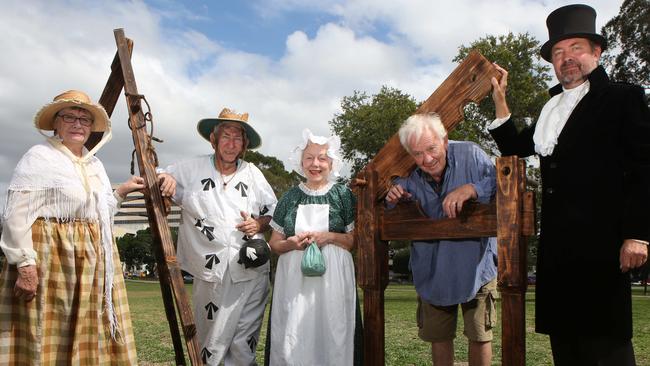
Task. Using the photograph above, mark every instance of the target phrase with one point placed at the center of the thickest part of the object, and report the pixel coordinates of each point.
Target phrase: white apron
(313, 317)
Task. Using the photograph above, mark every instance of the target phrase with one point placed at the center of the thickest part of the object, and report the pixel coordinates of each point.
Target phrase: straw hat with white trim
(44, 119)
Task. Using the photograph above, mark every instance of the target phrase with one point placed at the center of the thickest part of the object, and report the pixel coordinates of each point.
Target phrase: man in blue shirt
(447, 273)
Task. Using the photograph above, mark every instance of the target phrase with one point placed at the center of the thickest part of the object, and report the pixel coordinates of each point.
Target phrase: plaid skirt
(65, 324)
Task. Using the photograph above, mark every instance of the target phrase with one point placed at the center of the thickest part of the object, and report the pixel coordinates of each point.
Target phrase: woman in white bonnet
(313, 319)
(62, 294)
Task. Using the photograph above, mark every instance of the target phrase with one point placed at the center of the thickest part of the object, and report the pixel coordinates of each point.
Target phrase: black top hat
(254, 253)
(571, 21)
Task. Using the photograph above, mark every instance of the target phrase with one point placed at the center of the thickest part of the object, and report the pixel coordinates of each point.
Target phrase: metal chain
(148, 118)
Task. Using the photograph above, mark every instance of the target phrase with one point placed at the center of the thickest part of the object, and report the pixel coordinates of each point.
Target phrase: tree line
(366, 122)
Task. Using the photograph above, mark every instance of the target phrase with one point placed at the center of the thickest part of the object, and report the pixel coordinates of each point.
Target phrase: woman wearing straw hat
(313, 319)
(62, 295)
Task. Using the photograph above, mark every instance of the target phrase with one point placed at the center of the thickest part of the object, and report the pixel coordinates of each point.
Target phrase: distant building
(132, 215)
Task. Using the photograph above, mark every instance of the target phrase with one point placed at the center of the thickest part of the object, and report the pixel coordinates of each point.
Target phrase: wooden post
(512, 252)
(372, 259)
(171, 280)
(108, 100)
(111, 93)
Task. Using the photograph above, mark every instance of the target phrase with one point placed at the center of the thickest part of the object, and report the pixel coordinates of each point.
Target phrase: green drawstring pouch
(313, 262)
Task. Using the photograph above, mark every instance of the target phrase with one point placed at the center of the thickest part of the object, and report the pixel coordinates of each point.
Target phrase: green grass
(403, 347)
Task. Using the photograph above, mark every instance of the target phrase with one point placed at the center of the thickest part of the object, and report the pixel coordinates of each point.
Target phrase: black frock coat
(596, 193)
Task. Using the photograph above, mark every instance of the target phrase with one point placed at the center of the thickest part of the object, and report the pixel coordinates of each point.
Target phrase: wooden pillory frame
(510, 218)
(169, 272)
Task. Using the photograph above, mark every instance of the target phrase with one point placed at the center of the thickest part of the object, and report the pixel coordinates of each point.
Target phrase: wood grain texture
(512, 253)
(372, 262)
(171, 280)
(528, 225)
(406, 222)
(111, 94)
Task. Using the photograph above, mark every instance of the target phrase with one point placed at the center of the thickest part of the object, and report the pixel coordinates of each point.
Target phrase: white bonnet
(333, 146)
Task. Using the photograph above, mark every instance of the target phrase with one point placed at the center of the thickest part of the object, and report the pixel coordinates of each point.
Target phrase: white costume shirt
(552, 118)
(209, 242)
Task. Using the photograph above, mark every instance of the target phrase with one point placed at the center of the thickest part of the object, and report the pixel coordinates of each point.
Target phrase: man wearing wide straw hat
(593, 141)
(225, 201)
(62, 294)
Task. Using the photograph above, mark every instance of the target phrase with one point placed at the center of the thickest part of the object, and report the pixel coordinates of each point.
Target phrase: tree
(627, 57)
(137, 250)
(274, 172)
(133, 252)
(366, 123)
(528, 78)
(528, 81)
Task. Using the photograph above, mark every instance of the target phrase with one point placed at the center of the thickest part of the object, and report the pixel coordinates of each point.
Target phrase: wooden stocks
(510, 218)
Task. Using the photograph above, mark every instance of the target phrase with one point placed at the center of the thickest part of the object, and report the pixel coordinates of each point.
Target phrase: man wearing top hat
(225, 202)
(593, 142)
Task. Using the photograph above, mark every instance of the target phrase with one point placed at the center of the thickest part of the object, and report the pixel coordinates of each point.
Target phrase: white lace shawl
(58, 187)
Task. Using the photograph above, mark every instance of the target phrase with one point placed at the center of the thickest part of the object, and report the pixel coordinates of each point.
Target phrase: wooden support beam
(528, 227)
(512, 252)
(111, 93)
(108, 100)
(372, 260)
(171, 280)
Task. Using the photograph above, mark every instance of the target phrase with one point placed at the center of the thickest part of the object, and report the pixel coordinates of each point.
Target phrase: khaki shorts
(438, 323)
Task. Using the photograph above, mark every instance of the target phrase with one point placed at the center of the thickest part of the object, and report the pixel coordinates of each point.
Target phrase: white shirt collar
(554, 116)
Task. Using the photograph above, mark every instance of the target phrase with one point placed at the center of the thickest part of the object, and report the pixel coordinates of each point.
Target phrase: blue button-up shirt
(448, 272)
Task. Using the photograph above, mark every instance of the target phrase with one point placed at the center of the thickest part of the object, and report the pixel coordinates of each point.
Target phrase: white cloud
(52, 46)
(437, 28)
(339, 55)
(302, 89)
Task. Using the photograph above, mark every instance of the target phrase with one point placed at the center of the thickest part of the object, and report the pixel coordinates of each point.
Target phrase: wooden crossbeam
(407, 222)
(475, 220)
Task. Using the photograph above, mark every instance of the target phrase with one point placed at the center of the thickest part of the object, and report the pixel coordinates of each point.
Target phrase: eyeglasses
(68, 118)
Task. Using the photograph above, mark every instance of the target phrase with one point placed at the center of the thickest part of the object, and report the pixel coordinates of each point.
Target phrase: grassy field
(403, 347)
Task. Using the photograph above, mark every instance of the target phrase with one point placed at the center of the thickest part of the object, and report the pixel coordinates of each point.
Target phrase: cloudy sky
(286, 62)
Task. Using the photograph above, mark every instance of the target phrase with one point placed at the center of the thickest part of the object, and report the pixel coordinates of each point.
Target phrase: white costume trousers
(228, 319)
